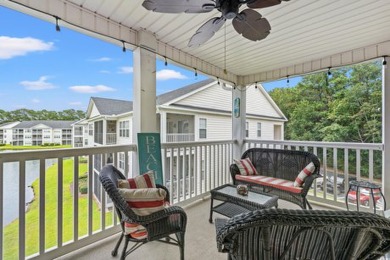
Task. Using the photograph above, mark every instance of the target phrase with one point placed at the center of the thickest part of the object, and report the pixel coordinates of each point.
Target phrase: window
(124, 129)
(122, 161)
(258, 129)
(90, 129)
(202, 128)
(247, 129)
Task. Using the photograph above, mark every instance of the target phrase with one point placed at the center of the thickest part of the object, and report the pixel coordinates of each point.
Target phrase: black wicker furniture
(276, 234)
(279, 164)
(160, 225)
(234, 203)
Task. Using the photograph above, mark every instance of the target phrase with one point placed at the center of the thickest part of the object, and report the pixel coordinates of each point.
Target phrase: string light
(329, 72)
(123, 46)
(288, 79)
(219, 83)
(256, 85)
(166, 62)
(384, 62)
(58, 29)
(196, 72)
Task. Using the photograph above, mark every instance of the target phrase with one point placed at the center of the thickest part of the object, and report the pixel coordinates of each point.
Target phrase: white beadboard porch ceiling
(306, 35)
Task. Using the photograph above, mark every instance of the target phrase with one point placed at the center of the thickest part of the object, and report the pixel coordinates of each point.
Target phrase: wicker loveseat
(275, 234)
(281, 167)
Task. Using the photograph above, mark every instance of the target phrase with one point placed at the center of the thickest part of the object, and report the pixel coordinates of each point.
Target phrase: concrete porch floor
(200, 240)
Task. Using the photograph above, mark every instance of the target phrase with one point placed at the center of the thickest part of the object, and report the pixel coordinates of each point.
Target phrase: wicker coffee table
(234, 203)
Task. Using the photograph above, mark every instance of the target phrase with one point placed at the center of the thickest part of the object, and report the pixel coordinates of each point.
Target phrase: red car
(364, 195)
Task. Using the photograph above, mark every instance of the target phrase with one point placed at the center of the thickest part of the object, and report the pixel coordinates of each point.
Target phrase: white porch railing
(345, 160)
(177, 137)
(191, 170)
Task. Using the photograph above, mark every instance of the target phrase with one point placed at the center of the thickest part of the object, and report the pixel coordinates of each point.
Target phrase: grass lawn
(11, 235)
(33, 147)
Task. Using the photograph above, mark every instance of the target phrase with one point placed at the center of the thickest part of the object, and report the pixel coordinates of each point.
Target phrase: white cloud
(102, 59)
(40, 84)
(125, 70)
(91, 89)
(12, 47)
(169, 74)
(35, 100)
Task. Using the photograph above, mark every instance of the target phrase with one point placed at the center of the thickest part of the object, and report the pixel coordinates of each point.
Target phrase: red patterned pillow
(307, 171)
(246, 167)
(145, 180)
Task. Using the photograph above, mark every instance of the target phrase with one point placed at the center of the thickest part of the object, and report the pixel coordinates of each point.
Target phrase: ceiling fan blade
(251, 25)
(264, 3)
(206, 31)
(179, 6)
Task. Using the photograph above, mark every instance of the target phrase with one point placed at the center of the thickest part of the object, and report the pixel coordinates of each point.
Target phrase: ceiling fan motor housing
(229, 8)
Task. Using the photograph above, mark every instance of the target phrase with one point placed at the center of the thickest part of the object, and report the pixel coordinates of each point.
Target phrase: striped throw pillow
(307, 171)
(135, 230)
(143, 202)
(145, 180)
(245, 166)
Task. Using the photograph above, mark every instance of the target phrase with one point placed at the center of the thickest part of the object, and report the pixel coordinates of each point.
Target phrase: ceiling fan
(248, 22)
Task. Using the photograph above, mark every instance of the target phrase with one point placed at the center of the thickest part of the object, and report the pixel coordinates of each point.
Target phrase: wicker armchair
(159, 225)
(281, 164)
(275, 234)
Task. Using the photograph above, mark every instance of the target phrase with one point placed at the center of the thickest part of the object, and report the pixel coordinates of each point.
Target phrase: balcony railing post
(386, 131)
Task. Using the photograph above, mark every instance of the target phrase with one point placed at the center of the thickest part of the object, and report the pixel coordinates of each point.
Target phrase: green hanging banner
(149, 155)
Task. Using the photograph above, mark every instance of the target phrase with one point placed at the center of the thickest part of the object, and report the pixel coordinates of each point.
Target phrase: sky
(45, 69)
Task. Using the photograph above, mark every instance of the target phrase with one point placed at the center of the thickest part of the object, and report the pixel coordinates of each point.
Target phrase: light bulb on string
(123, 46)
(384, 62)
(58, 29)
(166, 62)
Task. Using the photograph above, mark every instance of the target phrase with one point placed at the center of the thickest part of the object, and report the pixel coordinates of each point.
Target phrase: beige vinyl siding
(218, 127)
(258, 104)
(213, 97)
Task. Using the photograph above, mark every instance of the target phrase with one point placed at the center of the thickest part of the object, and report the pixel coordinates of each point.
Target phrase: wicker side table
(367, 185)
(234, 203)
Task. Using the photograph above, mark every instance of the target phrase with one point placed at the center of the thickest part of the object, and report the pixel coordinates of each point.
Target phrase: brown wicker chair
(159, 225)
(275, 234)
(282, 164)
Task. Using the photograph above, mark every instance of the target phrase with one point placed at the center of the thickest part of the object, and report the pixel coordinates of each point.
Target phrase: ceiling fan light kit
(249, 23)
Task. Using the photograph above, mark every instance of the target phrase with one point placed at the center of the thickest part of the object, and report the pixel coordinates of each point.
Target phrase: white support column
(163, 126)
(386, 132)
(144, 102)
(238, 120)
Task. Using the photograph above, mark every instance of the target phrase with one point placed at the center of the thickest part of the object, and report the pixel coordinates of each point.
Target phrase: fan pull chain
(224, 58)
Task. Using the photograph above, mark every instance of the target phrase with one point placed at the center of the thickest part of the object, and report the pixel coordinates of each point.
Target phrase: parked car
(340, 183)
(364, 196)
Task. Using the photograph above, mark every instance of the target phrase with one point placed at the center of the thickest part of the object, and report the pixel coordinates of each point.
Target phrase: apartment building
(38, 132)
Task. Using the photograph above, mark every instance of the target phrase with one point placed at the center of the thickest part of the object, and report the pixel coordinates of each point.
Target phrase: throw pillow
(245, 166)
(143, 202)
(135, 230)
(307, 171)
(145, 180)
